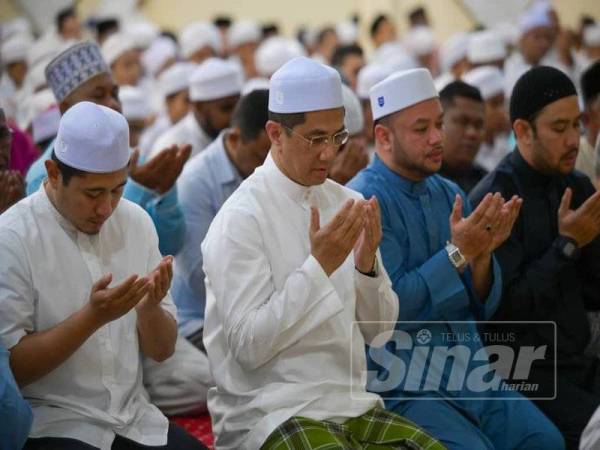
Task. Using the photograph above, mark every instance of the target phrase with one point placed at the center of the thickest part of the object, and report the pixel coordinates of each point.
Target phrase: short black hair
(344, 51)
(66, 172)
(251, 114)
(269, 29)
(222, 21)
(377, 23)
(63, 15)
(590, 83)
(106, 26)
(417, 15)
(459, 89)
(288, 120)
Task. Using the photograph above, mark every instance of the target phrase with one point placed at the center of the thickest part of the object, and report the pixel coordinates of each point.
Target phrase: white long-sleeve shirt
(282, 337)
(186, 131)
(47, 270)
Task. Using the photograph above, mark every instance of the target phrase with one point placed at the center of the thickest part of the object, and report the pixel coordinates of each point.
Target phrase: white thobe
(152, 133)
(282, 337)
(186, 131)
(47, 270)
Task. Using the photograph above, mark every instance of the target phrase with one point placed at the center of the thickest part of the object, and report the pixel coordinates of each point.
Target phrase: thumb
(456, 213)
(135, 155)
(102, 283)
(565, 202)
(315, 224)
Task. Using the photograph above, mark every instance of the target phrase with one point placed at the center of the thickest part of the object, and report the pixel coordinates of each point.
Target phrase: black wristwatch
(567, 247)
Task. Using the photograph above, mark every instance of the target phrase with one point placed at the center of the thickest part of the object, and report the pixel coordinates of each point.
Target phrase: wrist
(567, 246)
(456, 257)
(367, 265)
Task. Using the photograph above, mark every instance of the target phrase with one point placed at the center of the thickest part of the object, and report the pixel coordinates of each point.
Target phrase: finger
(124, 287)
(477, 215)
(357, 213)
(491, 212)
(592, 204)
(565, 202)
(185, 152)
(102, 283)
(456, 213)
(341, 216)
(141, 288)
(356, 226)
(314, 220)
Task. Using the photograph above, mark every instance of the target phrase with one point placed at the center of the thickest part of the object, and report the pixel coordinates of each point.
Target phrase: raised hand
(331, 244)
(582, 224)
(473, 235)
(502, 227)
(107, 304)
(160, 282)
(160, 172)
(366, 246)
(12, 189)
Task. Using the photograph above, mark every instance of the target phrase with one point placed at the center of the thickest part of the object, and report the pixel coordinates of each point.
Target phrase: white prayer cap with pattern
(347, 32)
(116, 45)
(242, 32)
(591, 35)
(453, 50)
(353, 117)
(199, 35)
(14, 50)
(93, 138)
(369, 76)
(305, 85)
(158, 54)
(274, 52)
(401, 90)
(74, 66)
(215, 78)
(176, 78)
(485, 47)
(488, 79)
(134, 103)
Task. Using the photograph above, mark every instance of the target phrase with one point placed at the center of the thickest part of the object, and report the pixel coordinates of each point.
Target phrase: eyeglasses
(320, 143)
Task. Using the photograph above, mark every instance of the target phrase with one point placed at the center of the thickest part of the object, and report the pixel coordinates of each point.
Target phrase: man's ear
(54, 176)
(234, 136)
(383, 138)
(274, 131)
(523, 131)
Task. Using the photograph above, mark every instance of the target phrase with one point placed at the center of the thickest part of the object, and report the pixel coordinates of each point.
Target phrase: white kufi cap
(485, 47)
(215, 78)
(116, 45)
(591, 35)
(401, 90)
(93, 138)
(488, 79)
(176, 78)
(369, 76)
(305, 85)
(199, 35)
(453, 50)
(134, 102)
(274, 52)
(353, 117)
(14, 50)
(242, 32)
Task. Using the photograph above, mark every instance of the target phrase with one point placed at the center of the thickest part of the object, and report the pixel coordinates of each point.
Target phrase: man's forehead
(89, 180)
(564, 108)
(426, 110)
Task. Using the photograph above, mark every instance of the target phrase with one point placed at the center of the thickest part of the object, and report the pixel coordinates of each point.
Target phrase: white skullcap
(304, 85)
(420, 41)
(591, 35)
(160, 51)
(73, 67)
(534, 17)
(508, 32)
(141, 33)
(347, 32)
(453, 50)
(488, 79)
(242, 32)
(353, 117)
(369, 76)
(116, 45)
(443, 80)
(485, 47)
(14, 50)
(134, 102)
(401, 90)
(215, 78)
(45, 115)
(16, 26)
(93, 138)
(199, 35)
(274, 52)
(176, 78)
(255, 84)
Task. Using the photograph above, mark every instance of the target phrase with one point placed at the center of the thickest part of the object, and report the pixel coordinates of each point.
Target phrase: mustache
(437, 148)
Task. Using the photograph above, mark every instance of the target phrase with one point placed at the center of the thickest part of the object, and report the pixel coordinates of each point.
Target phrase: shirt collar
(296, 192)
(408, 186)
(225, 171)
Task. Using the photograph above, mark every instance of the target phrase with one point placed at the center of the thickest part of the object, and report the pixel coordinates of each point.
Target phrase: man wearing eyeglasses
(292, 264)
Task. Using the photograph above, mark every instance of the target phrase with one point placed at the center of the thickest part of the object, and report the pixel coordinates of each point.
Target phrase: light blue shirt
(415, 221)
(15, 412)
(163, 209)
(207, 180)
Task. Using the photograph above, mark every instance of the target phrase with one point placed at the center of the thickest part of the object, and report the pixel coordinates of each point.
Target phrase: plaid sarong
(377, 429)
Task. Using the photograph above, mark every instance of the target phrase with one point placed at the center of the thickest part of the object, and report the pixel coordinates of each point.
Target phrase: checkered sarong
(377, 429)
